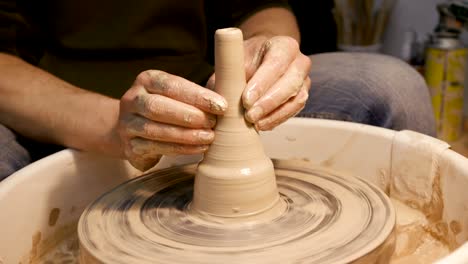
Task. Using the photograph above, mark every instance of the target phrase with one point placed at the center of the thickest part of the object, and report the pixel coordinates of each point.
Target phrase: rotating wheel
(323, 218)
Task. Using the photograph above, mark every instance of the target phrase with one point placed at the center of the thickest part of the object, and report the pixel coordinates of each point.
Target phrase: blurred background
(405, 29)
(319, 29)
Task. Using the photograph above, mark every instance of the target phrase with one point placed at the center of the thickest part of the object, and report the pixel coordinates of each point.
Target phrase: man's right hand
(163, 114)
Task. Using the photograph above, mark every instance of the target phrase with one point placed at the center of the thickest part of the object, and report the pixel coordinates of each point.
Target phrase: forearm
(40, 106)
(271, 22)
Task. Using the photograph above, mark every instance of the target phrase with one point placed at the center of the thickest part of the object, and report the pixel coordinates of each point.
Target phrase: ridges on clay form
(235, 178)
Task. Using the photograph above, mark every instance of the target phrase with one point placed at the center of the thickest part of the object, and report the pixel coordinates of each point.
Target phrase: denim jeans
(13, 156)
(365, 88)
(371, 89)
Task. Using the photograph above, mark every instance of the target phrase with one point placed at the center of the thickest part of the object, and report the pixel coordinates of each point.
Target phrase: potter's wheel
(243, 209)
(324, 218)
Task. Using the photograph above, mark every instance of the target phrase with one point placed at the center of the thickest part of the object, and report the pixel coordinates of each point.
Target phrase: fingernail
(212, 120)
(266, 124)
(257, 127)
(206, 136)
(250, 96)
(260, 124)
(254, 114)
(210, 84)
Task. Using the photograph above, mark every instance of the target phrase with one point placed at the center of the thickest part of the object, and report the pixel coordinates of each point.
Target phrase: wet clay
(411, 243)
(327, 218)
(61, 247)
(415, 242)
(235, 178)
(235, 206)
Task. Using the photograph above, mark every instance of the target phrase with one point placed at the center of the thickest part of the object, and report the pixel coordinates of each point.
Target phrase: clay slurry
(327, 219)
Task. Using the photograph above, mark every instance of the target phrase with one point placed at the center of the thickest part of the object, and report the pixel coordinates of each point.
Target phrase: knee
(389, 78)
(389, 91)
(379, 76)
(13, 156)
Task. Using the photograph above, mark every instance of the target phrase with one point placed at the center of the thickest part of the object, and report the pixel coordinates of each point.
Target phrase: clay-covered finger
(144, 128)
(287, 110)
(167, 110)
(180, 89)
(286, 87)
(278, 54)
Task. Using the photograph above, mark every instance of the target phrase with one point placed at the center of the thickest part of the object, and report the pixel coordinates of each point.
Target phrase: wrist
(98, 133)
(110, 142)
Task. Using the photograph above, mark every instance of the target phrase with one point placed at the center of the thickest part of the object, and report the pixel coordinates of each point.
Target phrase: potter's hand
(277, 80)
(163, 114)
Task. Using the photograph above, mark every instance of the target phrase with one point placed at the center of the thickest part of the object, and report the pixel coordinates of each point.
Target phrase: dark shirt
(102, 45)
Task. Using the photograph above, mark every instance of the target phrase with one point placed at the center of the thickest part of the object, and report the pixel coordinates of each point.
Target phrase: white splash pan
(408, 165)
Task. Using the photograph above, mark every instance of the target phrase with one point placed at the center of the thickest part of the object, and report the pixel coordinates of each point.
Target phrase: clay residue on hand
(159, 81)
(216, 106)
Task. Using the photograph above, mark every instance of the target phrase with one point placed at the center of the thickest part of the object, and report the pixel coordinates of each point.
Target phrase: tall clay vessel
(235, 178)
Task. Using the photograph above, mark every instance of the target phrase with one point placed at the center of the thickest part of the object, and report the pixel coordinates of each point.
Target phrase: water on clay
(413, 243)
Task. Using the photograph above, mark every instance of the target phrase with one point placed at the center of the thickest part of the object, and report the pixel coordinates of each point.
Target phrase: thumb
(210, 84)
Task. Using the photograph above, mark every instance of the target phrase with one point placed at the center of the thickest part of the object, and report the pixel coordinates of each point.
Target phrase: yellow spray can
(445, 76)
